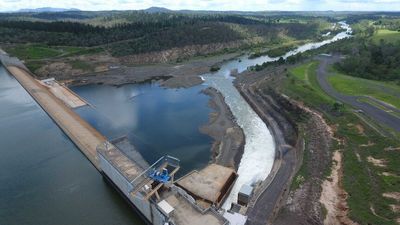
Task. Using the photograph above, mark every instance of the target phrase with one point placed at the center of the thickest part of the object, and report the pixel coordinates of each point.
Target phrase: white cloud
(250, 5)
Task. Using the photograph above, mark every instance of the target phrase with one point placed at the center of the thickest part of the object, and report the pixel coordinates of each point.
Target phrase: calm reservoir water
(156, 120)
(45, 179)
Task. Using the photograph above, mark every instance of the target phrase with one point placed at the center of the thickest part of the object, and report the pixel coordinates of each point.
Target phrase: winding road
(379, 115)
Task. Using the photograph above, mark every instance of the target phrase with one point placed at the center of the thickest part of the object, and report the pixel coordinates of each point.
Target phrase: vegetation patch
(355, 86)
(29, 52)
(363, 181)
(80, 65)
(389, 36)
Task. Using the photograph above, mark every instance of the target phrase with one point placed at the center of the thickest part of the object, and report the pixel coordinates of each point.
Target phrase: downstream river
(44, 178)
(259, 150)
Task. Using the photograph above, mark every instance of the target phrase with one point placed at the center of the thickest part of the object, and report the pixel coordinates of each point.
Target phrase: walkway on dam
(79, 131)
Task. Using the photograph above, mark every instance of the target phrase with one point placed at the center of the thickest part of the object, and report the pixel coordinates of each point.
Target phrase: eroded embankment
(289, 121)
(269, 193)
(229, 139)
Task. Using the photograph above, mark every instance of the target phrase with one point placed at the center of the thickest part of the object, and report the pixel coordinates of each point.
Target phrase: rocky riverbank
(229, 139)
(180, 75)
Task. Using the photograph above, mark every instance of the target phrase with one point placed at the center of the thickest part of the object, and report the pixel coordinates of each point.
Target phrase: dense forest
(138, 32)
(377, 61)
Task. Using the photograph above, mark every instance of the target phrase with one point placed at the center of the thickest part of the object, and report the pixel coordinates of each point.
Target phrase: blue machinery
(161, 177)
(157, 174)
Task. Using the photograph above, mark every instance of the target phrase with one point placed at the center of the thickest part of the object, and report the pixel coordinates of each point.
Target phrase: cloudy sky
(243, 5)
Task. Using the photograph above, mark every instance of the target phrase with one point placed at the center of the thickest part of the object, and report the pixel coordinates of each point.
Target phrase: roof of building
(210, 183)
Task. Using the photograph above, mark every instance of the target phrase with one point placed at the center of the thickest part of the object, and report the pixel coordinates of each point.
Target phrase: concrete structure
(63, 93)
(79, 131)
(210, 185)
(235, 218)
(157, 203)
(244, 194)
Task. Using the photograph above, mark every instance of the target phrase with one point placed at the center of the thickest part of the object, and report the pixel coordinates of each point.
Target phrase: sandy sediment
(333, 197)
(229, 139)
(182, 75)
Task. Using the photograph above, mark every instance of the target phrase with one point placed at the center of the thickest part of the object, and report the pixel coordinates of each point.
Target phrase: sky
(220, 5)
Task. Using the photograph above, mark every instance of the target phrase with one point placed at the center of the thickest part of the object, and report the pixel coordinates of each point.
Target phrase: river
(259, 150)
(44, 178)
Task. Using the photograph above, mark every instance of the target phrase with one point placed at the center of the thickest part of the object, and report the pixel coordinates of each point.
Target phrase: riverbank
(286, 202)
(181, 75)
(229, 139)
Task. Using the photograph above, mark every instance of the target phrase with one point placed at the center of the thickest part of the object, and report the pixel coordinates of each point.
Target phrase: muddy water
(259, 151)
(44, 178)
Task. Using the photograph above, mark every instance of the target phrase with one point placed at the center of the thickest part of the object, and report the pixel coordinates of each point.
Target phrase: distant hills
(157, 10)
(48, 9)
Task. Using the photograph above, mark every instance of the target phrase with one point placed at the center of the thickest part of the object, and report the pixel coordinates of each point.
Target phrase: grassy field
(362, 180)
(37, 55)
(387, 35)
(383, 91)
(40, 52)
(304, 78)
(77, 64)
(29, 52)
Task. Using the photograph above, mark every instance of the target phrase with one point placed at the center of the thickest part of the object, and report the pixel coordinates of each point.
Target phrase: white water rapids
(259, 150)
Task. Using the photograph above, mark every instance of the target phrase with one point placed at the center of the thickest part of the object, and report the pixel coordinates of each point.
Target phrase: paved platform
(210, 184)
(184, 213)
(63, 93)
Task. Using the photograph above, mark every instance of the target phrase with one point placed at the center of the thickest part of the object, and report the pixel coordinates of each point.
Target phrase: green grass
(380, 106)
(34, 65)
(39, 52)
(77, 64)
(361, 180)
(29, 52)
(383, 91)
(303, 80)
(387, 35)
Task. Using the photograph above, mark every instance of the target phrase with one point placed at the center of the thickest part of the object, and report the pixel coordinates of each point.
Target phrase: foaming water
(259, 150)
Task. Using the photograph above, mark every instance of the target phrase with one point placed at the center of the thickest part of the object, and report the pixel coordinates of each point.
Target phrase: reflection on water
(156, 120)
(44, 178)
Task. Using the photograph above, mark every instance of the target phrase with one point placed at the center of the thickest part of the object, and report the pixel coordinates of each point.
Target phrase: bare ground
(333, 196)
(179, 75)
(302, 205)
(228, 137)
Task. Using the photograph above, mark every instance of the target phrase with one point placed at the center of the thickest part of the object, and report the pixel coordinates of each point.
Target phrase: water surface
(259, 149)
(44, 178)
(156, 120)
